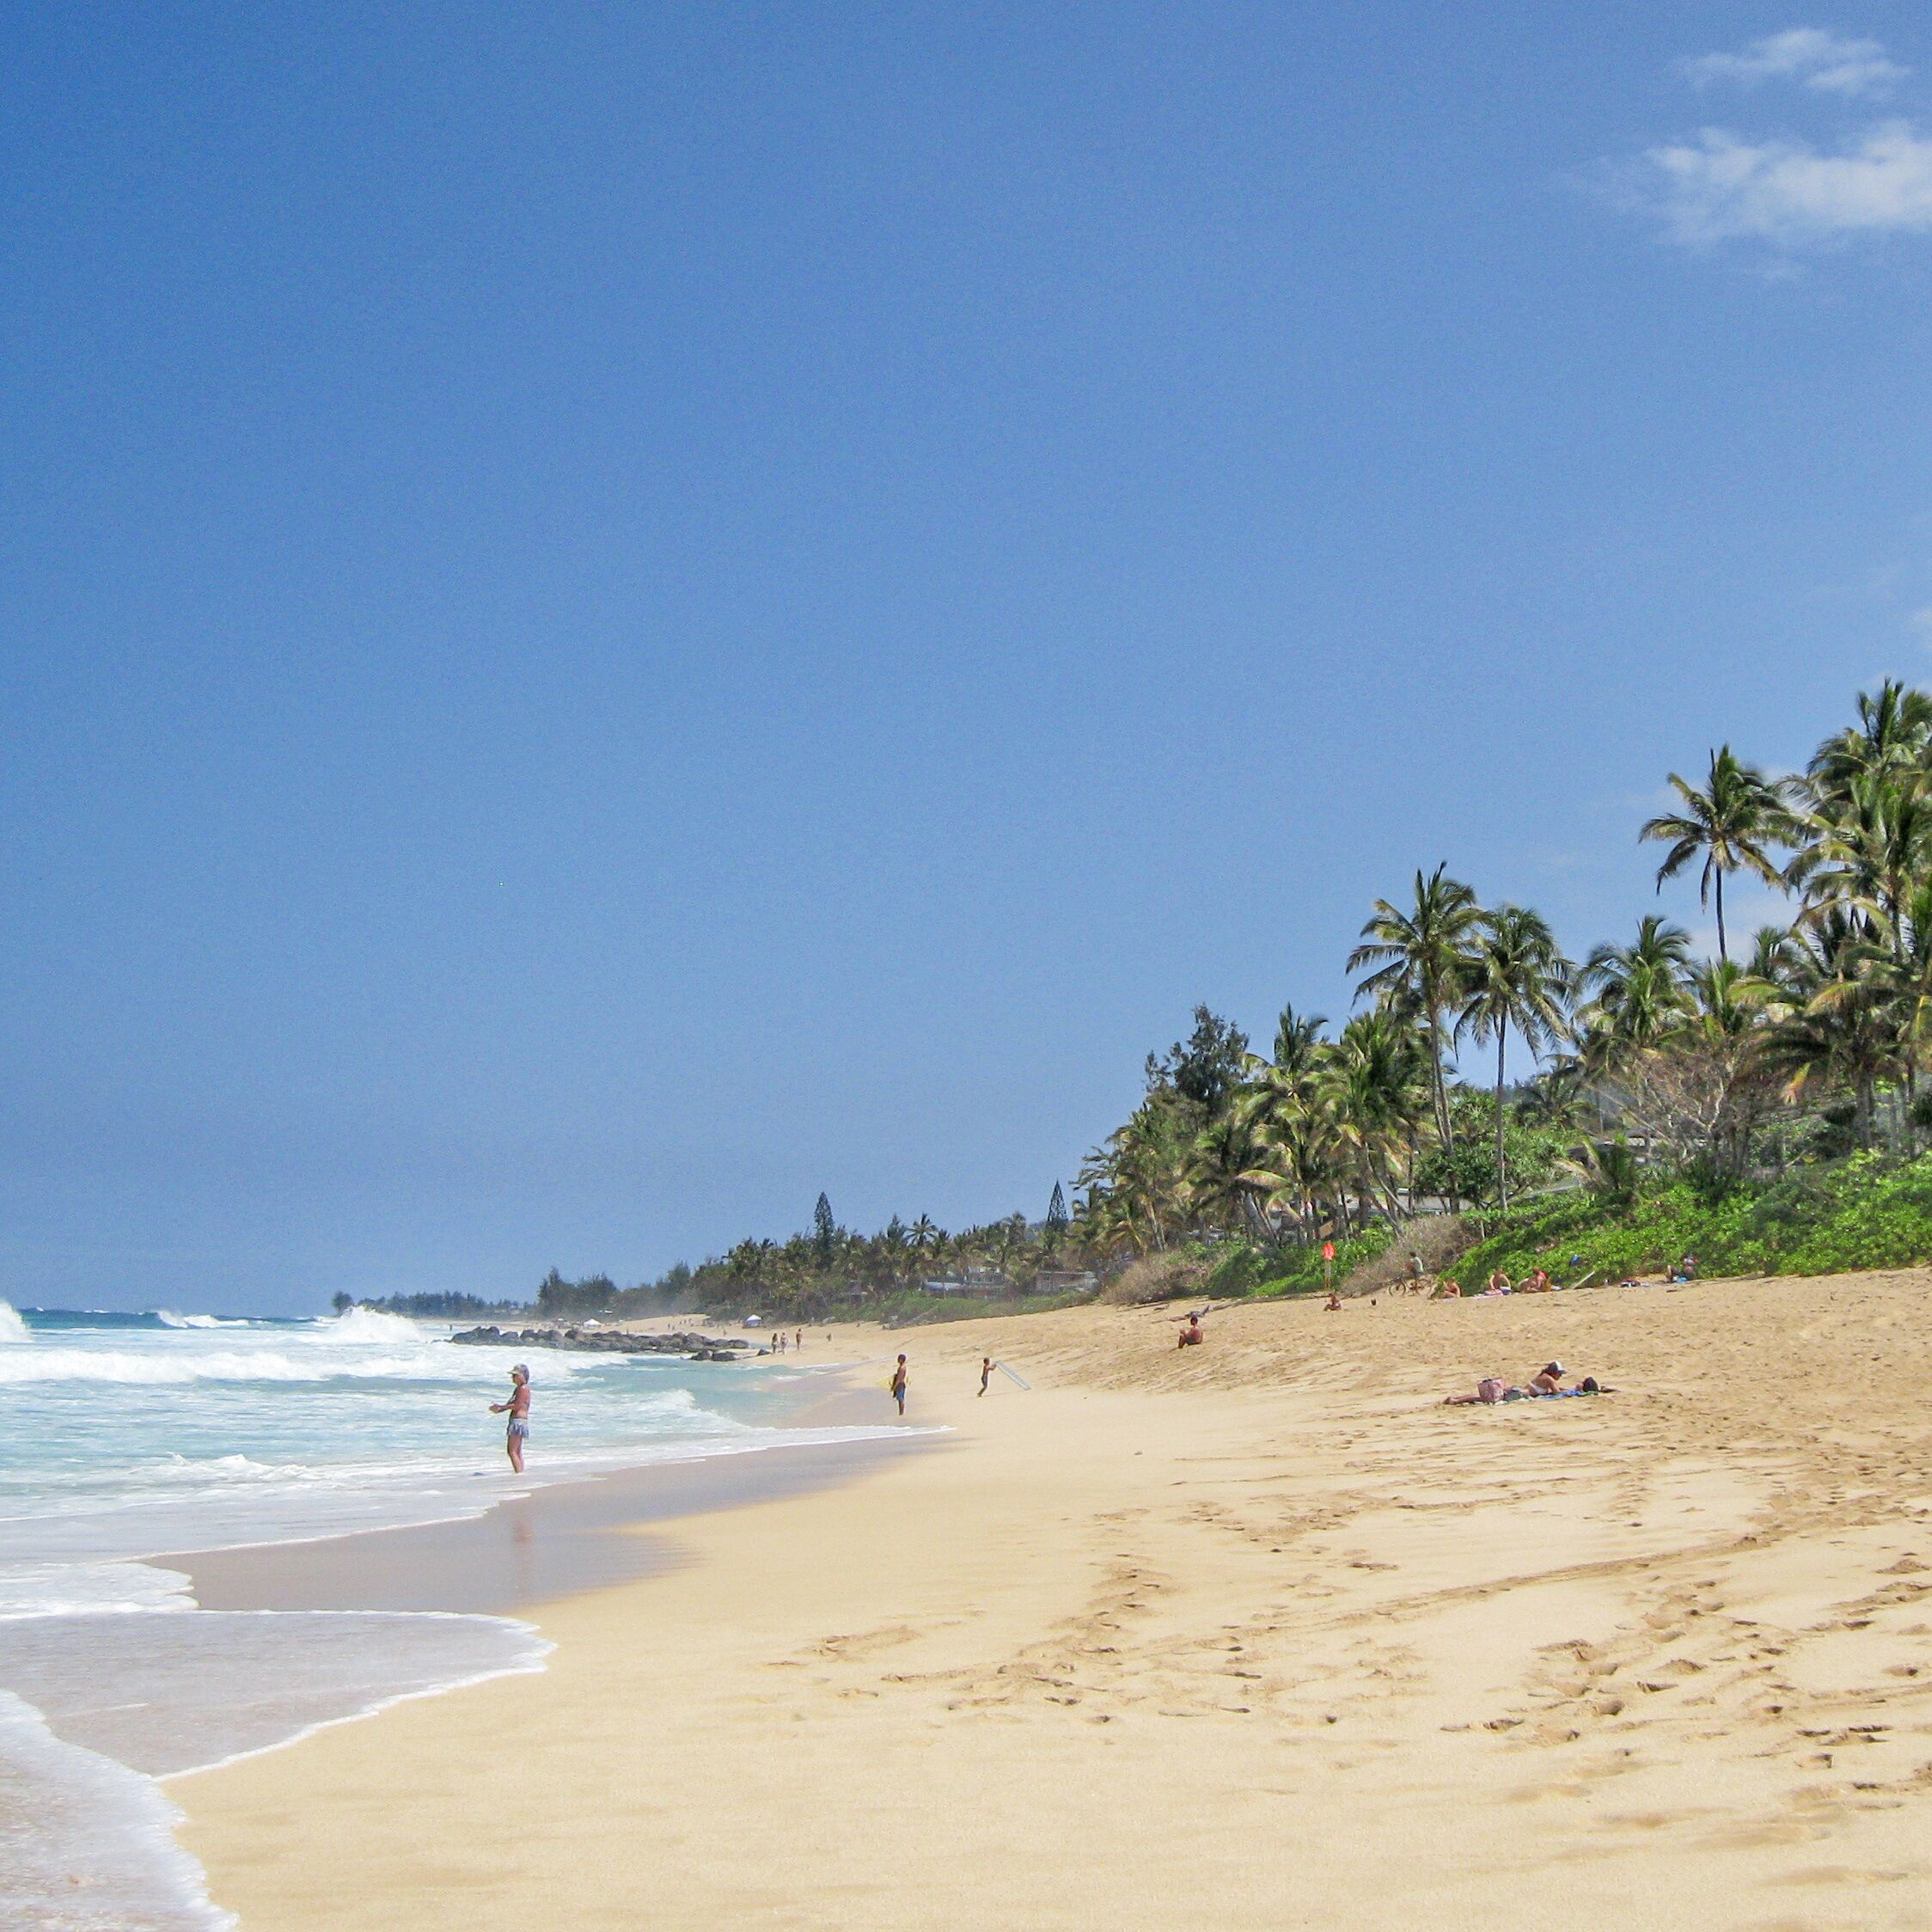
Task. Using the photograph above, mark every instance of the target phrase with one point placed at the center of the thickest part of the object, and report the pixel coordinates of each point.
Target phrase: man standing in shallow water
(519, 1410)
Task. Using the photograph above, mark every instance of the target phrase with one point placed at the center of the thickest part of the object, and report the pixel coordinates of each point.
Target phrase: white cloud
(1807, 55)
(1721, 185)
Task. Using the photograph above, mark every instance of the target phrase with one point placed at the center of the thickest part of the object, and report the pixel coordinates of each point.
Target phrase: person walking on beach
(986, 1372)
(519, 1407)
(899, 1384)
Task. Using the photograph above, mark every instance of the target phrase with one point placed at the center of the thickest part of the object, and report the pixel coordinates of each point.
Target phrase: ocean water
(130, 1436)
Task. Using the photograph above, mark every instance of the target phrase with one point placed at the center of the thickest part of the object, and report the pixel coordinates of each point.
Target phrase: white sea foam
(426, 1362)
(369, 1324)
(85, 1589)
(169, 1317)
(13, 1329)
(86, 1844)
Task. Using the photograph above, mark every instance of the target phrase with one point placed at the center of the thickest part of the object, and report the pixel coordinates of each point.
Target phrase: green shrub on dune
(1863, 1212)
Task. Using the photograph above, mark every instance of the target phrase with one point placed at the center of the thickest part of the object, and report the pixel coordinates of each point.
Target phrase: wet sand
(558, 1541)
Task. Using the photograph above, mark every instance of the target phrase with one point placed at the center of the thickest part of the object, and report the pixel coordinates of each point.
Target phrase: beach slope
(1255, 1634)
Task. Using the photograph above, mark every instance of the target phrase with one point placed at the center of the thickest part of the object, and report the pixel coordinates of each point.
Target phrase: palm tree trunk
(1721, 953)
(1502, 1185)
(1441, 1097)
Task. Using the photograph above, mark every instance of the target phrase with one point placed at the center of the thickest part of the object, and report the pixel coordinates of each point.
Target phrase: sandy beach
(1257, 1635)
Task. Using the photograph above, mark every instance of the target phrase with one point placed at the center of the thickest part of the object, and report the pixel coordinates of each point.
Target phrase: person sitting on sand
(1190, 1335)
(1447, 1289)
(1536, 1282)
(1332, 1304)
(519, 1407)
(1498, 1283)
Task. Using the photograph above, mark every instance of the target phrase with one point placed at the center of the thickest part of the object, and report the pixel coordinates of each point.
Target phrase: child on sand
(519, 1407)
(986, 1372)
(899, 1384)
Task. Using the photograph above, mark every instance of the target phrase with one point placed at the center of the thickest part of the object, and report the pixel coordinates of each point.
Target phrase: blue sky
(615, 614)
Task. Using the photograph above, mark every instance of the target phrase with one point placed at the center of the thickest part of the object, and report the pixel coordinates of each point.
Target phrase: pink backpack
(1490, 1388)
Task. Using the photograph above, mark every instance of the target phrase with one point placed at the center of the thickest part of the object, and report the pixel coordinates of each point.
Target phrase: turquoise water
(128, 1436)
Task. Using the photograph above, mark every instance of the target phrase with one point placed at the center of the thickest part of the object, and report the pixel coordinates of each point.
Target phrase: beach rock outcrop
(609, 1342)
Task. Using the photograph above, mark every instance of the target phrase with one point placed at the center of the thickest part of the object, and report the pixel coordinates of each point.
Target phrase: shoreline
(1257, 1632)
(557, 1539)
(264, 1644)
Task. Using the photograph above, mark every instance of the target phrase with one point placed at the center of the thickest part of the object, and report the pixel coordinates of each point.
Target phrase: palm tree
(1518, 978)
(1844, 1028)
(1773, 955)
(1638, 992)
(1421, 956)
(1730, 821)
(1380, 1093)
(1866, 844)
(1296, 1037)
(1893, 732)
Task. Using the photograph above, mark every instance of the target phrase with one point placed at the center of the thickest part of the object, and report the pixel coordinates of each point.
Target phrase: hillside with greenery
(1762, 1109)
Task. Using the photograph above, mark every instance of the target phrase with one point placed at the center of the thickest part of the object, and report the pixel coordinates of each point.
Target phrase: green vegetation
(1762, 1112)
(1866, 1211)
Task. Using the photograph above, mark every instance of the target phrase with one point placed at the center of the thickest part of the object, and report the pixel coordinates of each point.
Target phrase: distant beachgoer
(799, 1340)
(1549, 1378)
(1535, 1282)
(1190, 1335)
(1332, 1304)
(518, 1408)
(1689, 1267)
(899, 1384)
(1415, 1266)
(986, 1372)
(1498, 1283)
(1448, 1289)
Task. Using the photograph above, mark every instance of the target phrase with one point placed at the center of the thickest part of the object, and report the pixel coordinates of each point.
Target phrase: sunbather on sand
(1498, 1283)
(1448, 1290)
(1536, 1282)
(1547, 1381)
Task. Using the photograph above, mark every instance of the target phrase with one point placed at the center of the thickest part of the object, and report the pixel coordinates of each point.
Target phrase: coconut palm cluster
(1641, 1058)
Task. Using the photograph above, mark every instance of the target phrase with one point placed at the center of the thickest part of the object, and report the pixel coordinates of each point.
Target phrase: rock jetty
(690, 1344)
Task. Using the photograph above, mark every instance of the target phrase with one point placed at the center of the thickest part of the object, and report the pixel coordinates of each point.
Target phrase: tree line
(1641, 1059)
(1642, 1055)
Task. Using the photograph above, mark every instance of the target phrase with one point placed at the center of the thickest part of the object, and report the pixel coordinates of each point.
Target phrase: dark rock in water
(608, 1341)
